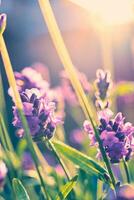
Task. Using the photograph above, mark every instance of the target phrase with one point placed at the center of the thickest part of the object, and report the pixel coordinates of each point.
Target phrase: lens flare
(109, 12)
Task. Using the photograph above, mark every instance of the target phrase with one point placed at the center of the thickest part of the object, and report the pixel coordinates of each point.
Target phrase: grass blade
(84, 162)
(19, 190)
(62, 51)
(66, 189)
(19, 105)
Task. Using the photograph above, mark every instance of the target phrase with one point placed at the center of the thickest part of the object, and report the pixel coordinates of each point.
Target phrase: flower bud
(3, 19)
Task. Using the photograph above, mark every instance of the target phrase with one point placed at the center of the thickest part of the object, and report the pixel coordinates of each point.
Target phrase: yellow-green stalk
(19, 105)
(87, 107)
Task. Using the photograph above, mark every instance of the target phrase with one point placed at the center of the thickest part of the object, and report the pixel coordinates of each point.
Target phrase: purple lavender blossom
(67, 89)
(39, 112)
(124, 192)
(43, 70)
(29, 78)
(3, 173)
(37, 76)
(103, 84)
(58, 100)
(116, 135)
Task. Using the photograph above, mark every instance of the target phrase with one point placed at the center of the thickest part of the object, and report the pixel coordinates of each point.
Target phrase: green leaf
(66, 189)
(2, 99)
(86, 163)
(19, 190)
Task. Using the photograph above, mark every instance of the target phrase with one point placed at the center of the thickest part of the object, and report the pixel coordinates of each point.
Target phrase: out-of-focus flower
(27, 161)
(59, 170)
(67, 89)
(116, 135)
(29, 78)
(103, 83)
(3, 19)
(56, 96)
(124, 192)
(76, 138)
(37, 76)
(43, 70)
(39, 112)
(3, 173)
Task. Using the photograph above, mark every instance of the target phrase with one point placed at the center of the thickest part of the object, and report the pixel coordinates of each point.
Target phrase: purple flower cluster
(103, 84)
(116, 135)
(67, 89)
(39, 112)
(30, 78)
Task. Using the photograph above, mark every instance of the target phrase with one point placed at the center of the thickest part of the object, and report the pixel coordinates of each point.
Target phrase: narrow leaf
(19, 190)
(66, 189)
(2, 99)
(86, 163)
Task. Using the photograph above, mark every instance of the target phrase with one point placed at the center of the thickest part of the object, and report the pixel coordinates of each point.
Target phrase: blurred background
(100, 34)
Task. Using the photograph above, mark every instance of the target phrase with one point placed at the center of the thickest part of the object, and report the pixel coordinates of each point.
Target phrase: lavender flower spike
(103, 84)
(116, 135)
(40, 114)
(3, 19)
(67, 89)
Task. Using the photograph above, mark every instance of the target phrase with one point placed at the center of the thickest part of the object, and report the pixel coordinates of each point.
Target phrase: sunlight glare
(109, 12)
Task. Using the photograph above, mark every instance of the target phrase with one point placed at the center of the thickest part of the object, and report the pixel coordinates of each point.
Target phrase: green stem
(127, 171)
(61, 163)
(6, 151)
(2, 100)
(4, 145)
(6, 135)
(32, 151)
(62, 51)
(19, 105)
(9, 183)
(59, 159)
(105, 158)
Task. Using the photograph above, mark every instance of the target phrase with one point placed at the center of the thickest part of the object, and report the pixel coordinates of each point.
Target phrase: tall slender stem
(69, 67)
(6, 135)
(4, 145)
(127, 171)
(2, 100)
(59, 159)
(6, 152)
(61, 163)
(19, 105)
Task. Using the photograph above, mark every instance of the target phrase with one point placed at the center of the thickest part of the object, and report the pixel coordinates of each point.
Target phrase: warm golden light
(114, 11)
(109, 12)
